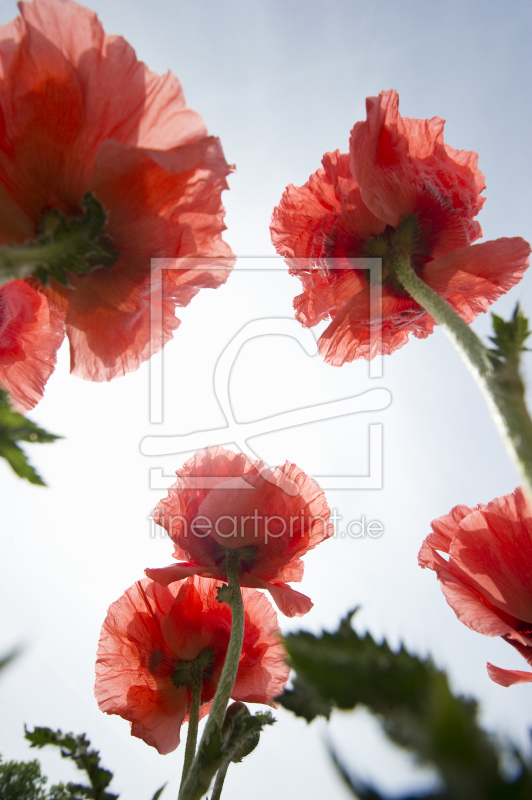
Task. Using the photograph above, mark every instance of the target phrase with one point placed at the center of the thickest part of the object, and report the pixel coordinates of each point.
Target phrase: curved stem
(208, 758)
(192, 735)
(505, 399)
(219, 782)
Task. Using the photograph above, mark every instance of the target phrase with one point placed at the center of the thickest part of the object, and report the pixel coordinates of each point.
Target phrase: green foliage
(77, 748)
(21, 780)
(416, 707)
(510, 337)
(505, 356)
(16, 428)
(306, 701)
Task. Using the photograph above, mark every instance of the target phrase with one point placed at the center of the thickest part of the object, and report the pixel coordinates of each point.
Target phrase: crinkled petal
(398, 169)
(444, 528)
(356, 332)
(30, 335)
(470, 609)
(305, 223)
(222, 501)
(177, 572)
(487, 578)
(393, 158)
(79, 113)
(288, 601)
(508, 677)
(493, 548)
(75, 56)
(472, 278)
(262, 685)
(152, 628)
(117, 317)
(158, 729)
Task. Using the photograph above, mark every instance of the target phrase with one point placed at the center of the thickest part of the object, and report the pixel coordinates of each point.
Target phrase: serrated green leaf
(14, 427)
(332, 661)
(510, 337)
(76, 748)
(23, 780)
(18, 461)
(304, 701)
(414, 702)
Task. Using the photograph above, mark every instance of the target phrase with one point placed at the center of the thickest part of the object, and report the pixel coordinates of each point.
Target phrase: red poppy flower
(399, 190)
(80, 114)
(30, 333)
(150, 639)
(487, 578)
(223, 501)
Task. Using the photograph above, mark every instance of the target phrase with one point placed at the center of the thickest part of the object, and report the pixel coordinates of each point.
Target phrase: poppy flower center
(64, 245)
(188, 672)
(393, 244)
(234, 517)
(434, 227)
(242, 556)
(410, 239)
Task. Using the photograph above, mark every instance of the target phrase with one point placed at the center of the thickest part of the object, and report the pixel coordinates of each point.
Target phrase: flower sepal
(392, 245)
(187, 672)
(242, 557)
(76, 245)
(509, 339)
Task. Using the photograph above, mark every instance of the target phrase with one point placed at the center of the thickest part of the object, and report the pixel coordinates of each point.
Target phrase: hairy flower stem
(220, 778)
(209, 758)
(21, 261)
(192, 735)
(505, 398)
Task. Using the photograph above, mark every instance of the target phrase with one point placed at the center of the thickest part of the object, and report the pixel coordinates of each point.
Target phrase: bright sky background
(280, 82)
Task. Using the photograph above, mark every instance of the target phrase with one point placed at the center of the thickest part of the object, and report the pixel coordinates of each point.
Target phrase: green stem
(14, 264)
(21, 260)
(505, 399)
(192, 735)
(208, 758)
(76, 245)
(220, 778)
